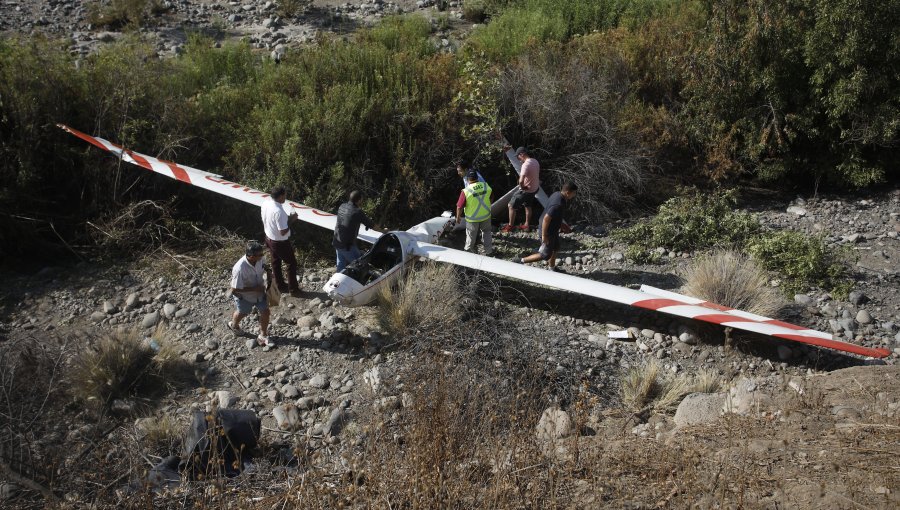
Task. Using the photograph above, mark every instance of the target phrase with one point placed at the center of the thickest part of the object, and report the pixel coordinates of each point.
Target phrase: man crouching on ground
(248, 289)
(553, 218)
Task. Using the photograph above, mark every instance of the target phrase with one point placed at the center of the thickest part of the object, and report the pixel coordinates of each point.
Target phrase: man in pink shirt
(529, 183)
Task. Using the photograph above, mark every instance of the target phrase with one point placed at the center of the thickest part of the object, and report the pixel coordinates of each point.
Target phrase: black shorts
(522, 199)
(552, 243)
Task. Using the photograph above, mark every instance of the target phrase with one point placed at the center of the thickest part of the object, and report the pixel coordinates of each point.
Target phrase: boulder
(319, 381)
(307, 322)
(150, 320)
(744, 398)
(287, 417)
(336, 422)
(554, 424)
(699, 408)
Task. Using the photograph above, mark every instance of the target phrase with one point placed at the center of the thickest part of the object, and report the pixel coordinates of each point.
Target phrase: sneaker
(507, 229)
(525, 228)
(263, 341)
(236, 330)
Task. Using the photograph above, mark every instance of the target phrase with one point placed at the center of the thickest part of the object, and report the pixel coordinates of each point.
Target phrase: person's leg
(552, 260)
(264, 321)
(354, 254)
(286, 249)
(527, 216)
(487, 239)
(276, 264)
(241, 309)
(512, 214)
(342, 259)
(471, 236)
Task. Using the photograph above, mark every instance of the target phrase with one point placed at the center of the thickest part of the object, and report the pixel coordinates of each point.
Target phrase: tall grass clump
(731, 278)
(649, 386)
(122, 366)
(689, 222)
(425, 302)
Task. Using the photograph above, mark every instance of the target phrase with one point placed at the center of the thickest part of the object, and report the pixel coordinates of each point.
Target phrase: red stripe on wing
(657, 303)
(140, 160)
(179, 173)
(716, 306)
(719, 318)
(837, 345)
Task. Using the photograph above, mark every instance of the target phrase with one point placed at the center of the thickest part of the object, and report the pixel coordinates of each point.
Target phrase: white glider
(391, 253)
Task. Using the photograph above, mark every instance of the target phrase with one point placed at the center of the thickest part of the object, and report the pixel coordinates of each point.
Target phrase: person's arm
(460, 204)
(281, 221)
(545, 227)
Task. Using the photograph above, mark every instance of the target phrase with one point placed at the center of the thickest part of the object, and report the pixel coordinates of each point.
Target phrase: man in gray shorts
(248, 289)
(529, 184)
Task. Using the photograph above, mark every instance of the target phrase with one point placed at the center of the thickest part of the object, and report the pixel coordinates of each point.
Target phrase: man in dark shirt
(553, 217)
(349, 218)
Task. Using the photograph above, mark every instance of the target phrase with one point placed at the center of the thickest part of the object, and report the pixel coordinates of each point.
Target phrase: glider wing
(214, 183)
(670, 303)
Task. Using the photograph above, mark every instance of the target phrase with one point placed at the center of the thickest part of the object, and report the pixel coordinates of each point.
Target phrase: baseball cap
(521, 150)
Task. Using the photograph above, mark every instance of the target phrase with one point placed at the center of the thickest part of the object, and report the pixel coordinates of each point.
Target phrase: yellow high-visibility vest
(478, 202)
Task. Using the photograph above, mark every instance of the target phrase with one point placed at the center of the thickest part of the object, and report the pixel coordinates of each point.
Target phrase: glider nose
(342, 288)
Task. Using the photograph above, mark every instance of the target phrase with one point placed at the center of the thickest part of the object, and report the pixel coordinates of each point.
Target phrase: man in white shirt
(248, 289)
(278, 233)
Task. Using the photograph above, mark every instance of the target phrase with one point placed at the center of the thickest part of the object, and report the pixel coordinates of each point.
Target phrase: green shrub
(474, 10)
(291, 8)
(691, 222)
(802, 261)
(118, 13)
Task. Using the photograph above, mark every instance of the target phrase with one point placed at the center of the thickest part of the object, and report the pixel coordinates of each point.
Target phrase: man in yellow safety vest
(475, 203)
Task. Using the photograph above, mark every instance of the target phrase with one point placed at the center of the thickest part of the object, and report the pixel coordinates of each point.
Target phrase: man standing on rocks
(349, 218)
(475, 202)
(278, 233)
(557, 205)
(529, 183)
(248, 289)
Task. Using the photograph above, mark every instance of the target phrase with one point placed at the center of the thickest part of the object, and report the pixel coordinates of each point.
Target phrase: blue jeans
(345, 257)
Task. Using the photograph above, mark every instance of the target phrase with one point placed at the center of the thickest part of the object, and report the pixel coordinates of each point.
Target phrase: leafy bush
(474, 10)
(291, 8)
(118, 13)
(798, 90)
(802, 261)
(691, 222)
(730, 278)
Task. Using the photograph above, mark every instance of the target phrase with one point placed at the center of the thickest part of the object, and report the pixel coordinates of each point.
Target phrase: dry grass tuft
(122, 365)
(426, 301)
(639, 385)
(730, 278)
(648, 385)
